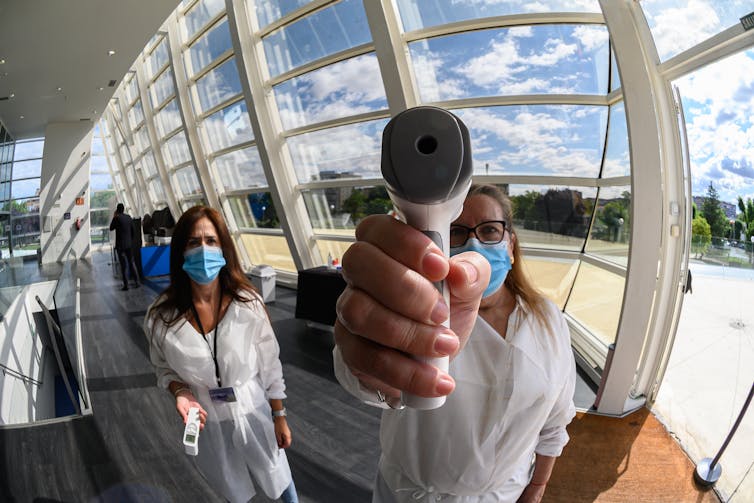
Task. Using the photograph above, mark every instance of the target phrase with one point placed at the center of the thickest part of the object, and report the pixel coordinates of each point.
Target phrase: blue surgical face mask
(203, 263)
(496, 255)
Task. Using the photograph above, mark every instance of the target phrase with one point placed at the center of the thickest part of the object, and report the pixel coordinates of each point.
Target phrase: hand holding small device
(191, 432)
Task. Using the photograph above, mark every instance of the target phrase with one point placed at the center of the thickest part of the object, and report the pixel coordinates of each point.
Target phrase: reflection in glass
(136, 114)
(254, 210)
(536, 139)
(188, 183)
(27, 169)
(200, 14)
(611, 231)
(227, 127)
(342, 208)
(617, 158)
(132, 89)
(418, 14)
(540, 59)
(100, 181)
(148, 165)
(28, 150)
(176, 151)
(220, 84)
(614, 73)
(269, 11)
(162, 88)
(158, 59)
(334, 249)
(270, 250)
(552, 276)
(596, 301)
(552, 217)
(168, 119)
(240, 169)
(678, 25)
(351, 151)
(155, 188)
(25, 234)
(350, 87)
(208, 48)
(102, 200)
(327, 31)
(99, 218)
(25, 188)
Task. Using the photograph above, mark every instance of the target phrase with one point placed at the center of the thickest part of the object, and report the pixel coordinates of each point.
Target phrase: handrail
(18, 375)
(52, 327)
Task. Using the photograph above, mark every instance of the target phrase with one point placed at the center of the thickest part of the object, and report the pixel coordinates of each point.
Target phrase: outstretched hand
(391, 309)
(184, 401)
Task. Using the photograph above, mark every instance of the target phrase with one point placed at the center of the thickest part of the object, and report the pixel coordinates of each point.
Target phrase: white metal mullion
(525, 99)
(397, 73)
(267, 127)
(187, 114)
(126, 194)
(656, 164)
(149, 116)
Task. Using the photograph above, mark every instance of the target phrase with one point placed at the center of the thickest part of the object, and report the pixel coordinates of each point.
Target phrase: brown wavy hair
(233, 282)
(517, 281)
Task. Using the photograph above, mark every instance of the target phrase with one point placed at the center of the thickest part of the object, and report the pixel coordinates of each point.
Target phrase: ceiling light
(111, 52)
(100, 89)
(12, 95)
(59, 89)
(20, 116)
(2, 61)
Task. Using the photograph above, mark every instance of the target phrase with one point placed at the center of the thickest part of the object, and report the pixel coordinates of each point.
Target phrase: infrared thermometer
(191, 432)
(426, 164)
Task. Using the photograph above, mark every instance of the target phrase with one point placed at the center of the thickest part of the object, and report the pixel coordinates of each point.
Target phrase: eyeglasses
(489, 233)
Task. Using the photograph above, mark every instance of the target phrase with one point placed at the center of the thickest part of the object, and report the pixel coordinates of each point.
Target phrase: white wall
(65, 176)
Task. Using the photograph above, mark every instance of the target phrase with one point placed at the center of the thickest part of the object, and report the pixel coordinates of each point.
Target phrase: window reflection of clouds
(536, 139)
(168, 119)
(158, 58)
(240, 169)
(28, 150)
(218, 85)
(175, 150)
(562, 59)
(162, 88)
(227, 127)
(347, 88)
(187, 181)
(148, 165)
(27, 169)
(200, 14)
(336, 28)
(617, 158)
(720, 126)
(25, 188)
(136, 114)
(269, 11)
(100, 181)
(417, 14)
(207, 49)
(353, 150)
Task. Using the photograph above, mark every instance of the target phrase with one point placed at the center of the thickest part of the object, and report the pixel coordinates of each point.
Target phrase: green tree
(714, 214)
(526, 208)
(701, 236)
(15, 208)
(746, 221)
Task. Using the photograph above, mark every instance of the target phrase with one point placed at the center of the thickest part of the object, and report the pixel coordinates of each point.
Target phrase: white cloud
(677, 28)
(591, 37)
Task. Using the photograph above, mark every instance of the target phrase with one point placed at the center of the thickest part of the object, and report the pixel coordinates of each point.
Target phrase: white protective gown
(513, 398)
(239, 437)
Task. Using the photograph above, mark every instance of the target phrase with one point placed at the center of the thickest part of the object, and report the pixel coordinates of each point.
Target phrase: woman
(212, 346)
(499, 433)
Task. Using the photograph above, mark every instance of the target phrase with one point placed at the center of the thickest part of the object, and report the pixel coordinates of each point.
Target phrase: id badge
(222, 394)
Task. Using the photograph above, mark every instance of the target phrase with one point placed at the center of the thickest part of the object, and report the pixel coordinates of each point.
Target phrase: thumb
(469, 275)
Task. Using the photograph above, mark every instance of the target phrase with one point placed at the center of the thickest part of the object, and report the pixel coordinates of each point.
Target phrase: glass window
(176, 150)
(327, 31)
(614, 73)
(158, 59)
(148, 165)
(100, 181)
(136, 115)
(269, 11)
(617, 158)
(162, 88)
(342, 208)
(255, 210)
(540, 59)
(28, 150)
(98, 164)
(168, 119)
(334, 249)
(102, 199)
(188, 182)
(562, 140)
(271, 250)
(25, 188)
(346, 88)
(611, 231)
(220, 84)
(678, 25)
(240, 169)
(155, 187)
(596, 301)
(27, 169)
(553, 277)
(552, 217)
(208, 48)
(418, 14)
(227, 127)
(132, 89)
(141, 139)
(351, 151)
(100, 218)
(200, 14)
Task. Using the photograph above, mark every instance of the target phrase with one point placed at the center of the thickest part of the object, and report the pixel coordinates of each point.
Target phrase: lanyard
(213, 351)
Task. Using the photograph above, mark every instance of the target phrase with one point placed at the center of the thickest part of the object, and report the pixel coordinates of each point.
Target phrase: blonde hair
(517, 281)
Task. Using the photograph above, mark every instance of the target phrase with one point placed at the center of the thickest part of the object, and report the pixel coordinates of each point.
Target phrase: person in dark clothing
(123, 227)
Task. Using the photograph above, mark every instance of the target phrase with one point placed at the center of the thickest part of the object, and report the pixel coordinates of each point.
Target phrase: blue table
(155, 260)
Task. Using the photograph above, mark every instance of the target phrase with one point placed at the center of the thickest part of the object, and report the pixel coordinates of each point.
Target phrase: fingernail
(440, 313)
(446, 344)
(471, 271)
(445, 385)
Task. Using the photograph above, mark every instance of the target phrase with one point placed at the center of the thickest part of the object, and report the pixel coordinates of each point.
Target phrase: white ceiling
(50, 44)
